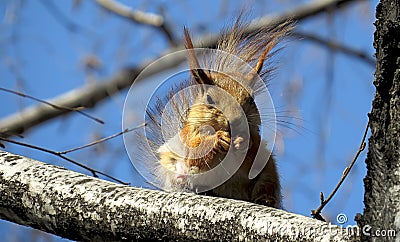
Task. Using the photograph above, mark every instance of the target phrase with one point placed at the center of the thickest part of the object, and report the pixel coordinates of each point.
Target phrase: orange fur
(254, 49)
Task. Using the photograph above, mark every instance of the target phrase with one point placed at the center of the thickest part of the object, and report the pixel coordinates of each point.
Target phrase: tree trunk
(382, 184)
(84, 208)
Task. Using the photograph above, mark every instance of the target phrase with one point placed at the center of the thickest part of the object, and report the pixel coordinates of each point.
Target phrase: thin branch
(139, 17)
(336, 47)
(300, 13)
(78, 109)
(134, 15)
(90, 95)
(60, 17)
(101, 140)
(317, 212)
(93, 171)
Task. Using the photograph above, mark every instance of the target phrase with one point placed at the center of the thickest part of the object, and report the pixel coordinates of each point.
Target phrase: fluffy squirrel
(218, 113)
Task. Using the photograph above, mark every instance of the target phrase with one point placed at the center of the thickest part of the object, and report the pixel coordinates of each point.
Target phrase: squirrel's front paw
(240, 144)
(223, 141)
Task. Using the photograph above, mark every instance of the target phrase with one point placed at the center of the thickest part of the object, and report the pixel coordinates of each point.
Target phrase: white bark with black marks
(80, 207)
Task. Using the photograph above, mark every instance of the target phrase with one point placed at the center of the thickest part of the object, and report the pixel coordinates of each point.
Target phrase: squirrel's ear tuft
(260, 63)
(198, 74)
(264, 55)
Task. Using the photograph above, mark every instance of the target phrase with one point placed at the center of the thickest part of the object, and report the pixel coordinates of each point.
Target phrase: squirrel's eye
(209, 99)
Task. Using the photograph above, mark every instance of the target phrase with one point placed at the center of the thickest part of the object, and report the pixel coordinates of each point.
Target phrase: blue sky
(39, 56)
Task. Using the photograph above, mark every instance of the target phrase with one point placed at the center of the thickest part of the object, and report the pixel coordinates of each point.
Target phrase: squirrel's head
(226, 95)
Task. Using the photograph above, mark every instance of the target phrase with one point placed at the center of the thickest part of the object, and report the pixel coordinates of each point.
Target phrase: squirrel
(221, 114)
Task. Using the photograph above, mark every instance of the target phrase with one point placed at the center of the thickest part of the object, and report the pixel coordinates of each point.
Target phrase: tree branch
(78, 110)
(83, 208)
(60, 17)
(336, 46)
(316, 213)
(88, 96)
(140, 17)
(382, 181)
(94, 172)
(132, 14)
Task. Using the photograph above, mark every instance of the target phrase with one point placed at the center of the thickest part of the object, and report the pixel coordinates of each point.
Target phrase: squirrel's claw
(223, 141)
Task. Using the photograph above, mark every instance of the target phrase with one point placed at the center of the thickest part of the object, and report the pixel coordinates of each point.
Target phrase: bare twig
(90, 95)
(317, 212)
(138, 16)
(101, 140)
(78, 109)
(93, 171)
(62, 19)
(336, 46)
(307, 10)
(135, 15)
